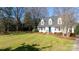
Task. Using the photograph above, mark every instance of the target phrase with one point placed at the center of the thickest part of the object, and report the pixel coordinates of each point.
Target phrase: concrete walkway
(76, 45)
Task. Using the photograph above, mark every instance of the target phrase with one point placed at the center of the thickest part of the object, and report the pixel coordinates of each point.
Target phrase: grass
(34, 41)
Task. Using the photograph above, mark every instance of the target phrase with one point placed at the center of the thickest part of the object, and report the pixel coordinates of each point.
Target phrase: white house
(53, 25)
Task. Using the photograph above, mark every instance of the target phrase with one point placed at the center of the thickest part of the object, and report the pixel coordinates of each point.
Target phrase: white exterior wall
(72, 29)
(64, 30)
(39, 29)
(57, 30)
(68, 29)
(52, 29)
(43, 30)
(46, 29)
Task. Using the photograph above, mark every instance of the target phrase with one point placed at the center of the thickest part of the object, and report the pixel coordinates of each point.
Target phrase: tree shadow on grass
(46, 47)
(6, 49)
(24, 47)
(27, 48)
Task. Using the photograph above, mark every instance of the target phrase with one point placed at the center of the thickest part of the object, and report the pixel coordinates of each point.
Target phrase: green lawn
(34, 41)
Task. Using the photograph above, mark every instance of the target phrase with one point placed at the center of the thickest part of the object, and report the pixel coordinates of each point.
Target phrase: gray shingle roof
(54, 22)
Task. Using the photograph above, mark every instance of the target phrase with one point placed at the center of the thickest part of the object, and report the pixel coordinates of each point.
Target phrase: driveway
(76, 45)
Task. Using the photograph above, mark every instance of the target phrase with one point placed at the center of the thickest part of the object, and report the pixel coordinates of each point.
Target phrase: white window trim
(59, 21)
(42, 22)
(50, 21)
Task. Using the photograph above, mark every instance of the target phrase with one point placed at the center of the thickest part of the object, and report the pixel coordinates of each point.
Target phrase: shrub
(72, 34)
(2, 28)
(77, 29)
(35, 30)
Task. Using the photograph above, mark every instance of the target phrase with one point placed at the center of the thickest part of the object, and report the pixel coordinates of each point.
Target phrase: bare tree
(6, 17)
(18, 14)
(68, 17)
(28, 21)
(37, 13)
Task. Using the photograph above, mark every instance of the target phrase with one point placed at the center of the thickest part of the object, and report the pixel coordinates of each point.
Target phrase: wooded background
(28, 18)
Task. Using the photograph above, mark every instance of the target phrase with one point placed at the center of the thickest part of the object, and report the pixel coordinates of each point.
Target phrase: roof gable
(46, 22)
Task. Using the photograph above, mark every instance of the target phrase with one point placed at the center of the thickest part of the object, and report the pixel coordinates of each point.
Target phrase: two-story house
(53, 25)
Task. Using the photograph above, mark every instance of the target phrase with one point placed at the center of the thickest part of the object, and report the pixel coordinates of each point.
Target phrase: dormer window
(50, 21)
(59, 21)
(42, 22)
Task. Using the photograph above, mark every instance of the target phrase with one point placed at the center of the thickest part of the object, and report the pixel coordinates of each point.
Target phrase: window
(59, 28)
(55, 29)
(41, 28)
(59, 21)
(50, 21)
(42, 22)
(44, 28)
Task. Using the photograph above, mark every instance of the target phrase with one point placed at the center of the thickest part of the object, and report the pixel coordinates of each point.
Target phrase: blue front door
(49, 29)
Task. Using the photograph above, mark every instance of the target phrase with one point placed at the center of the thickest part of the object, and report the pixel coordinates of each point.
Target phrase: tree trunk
(16, 27)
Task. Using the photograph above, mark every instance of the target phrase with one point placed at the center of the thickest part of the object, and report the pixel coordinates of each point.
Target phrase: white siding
(57, 30)
(43, 30)
(73, 30)
(52, 29)
(68, 29)
(64, 30)
(39, 29)
(46, 29)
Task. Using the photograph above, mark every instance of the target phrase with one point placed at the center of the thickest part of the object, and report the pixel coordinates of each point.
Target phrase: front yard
(34, 42)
